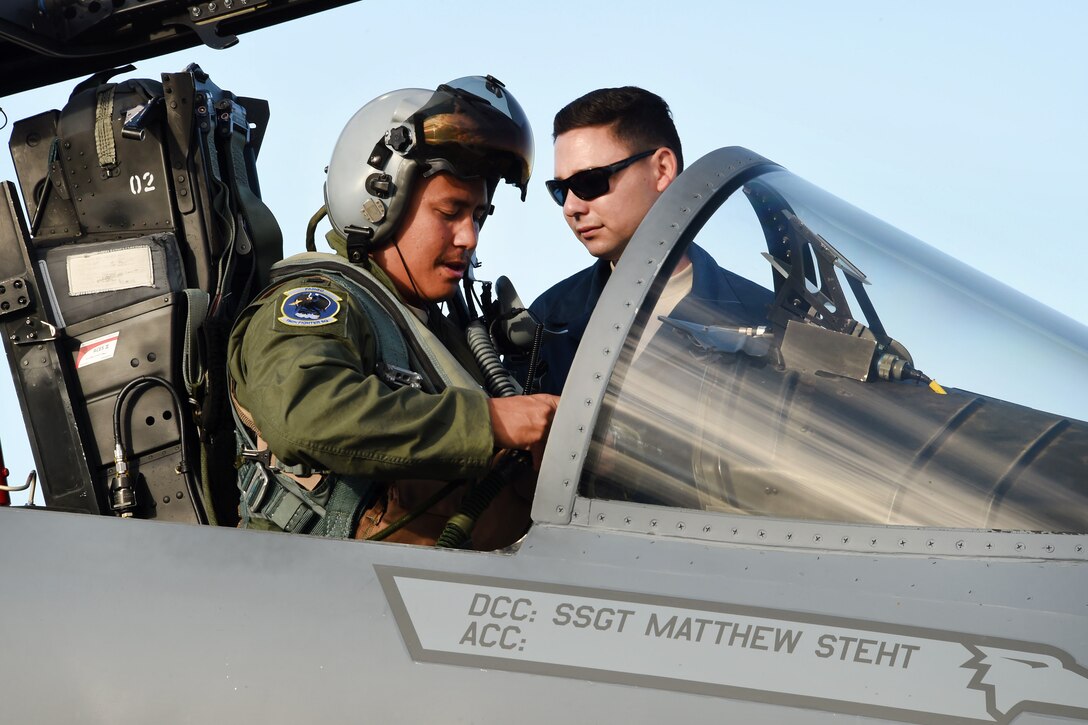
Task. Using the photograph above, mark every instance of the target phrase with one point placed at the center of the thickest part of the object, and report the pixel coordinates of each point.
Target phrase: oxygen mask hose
(500, 383)
(458, 529)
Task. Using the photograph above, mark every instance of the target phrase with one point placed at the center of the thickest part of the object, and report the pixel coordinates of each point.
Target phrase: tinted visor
(473, 135)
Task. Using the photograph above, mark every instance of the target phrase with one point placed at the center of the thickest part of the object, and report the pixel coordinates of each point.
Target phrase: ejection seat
(144, 235)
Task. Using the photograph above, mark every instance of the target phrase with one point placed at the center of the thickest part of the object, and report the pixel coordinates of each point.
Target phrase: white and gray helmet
(471, 127)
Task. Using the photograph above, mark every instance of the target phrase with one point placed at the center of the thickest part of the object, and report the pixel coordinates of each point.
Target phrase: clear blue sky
(960, 123)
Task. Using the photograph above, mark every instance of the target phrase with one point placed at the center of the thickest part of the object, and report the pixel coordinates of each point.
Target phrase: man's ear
(664, 167)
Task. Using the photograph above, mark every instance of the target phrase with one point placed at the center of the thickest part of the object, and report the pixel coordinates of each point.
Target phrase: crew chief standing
(616, 151)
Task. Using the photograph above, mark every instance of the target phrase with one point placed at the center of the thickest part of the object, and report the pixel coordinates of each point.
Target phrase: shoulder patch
(309, 307)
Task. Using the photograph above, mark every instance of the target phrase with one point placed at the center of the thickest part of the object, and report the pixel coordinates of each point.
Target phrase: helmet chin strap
(404, 263)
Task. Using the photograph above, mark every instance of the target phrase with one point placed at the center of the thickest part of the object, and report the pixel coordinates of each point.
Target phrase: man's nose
(468, 235)
(573, 206)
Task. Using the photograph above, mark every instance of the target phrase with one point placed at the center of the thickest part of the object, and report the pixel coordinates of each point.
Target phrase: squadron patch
(309, 307)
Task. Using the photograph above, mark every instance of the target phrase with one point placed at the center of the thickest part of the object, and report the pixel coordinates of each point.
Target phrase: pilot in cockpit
(616, 151)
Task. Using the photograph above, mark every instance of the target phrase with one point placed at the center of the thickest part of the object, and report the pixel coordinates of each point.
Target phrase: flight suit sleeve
(312, 393)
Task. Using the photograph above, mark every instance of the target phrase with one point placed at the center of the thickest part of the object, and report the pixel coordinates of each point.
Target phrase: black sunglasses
(591, 183)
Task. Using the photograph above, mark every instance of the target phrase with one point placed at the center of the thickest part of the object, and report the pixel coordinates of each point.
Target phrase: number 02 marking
(141, 183)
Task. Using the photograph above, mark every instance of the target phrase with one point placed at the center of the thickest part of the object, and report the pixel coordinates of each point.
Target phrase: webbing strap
(444, 369)
(103, 128)
(269, 494)
(196, 310)
(264, 231)
(391, 346)
(345, 506)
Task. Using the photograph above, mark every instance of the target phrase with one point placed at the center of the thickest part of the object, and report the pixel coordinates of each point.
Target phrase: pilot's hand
(522, 422)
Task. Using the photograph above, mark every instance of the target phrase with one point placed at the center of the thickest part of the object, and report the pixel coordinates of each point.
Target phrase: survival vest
(408, 354)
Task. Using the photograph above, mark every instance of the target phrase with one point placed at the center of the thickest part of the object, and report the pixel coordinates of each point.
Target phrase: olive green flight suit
(309, 386)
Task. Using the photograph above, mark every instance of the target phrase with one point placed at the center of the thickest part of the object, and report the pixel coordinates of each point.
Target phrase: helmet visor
(473, 127)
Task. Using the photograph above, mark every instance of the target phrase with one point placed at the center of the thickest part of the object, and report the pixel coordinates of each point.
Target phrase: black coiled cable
(499, 382)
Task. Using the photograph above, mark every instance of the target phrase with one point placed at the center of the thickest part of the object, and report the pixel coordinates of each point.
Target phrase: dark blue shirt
(717, 297)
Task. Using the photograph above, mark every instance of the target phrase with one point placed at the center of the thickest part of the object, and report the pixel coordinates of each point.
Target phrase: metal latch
(396, 377)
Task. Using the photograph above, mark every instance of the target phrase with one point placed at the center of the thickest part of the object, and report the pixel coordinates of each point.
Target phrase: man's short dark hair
(640, 119)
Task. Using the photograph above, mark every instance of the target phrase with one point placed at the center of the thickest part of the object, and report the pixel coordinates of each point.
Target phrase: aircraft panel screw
(761, 534)
(559, 509)
(653, 522)
(789, 537)
(736, 531)
(960, 544)
(212, 7)
(902, 542)
(846, 539)
(706, 529)
(589, 402)
(680, 526)
(600, 517)
(566, 483)
(194, 11)
(930, 543)
(1019, 546)
(989, 545)
(817, 538)
(1078, 548)
(1049, 548)
(627, 520)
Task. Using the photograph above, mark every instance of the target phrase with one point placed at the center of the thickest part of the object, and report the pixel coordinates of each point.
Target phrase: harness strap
(439, 367)
(196, 310)
(264, 233)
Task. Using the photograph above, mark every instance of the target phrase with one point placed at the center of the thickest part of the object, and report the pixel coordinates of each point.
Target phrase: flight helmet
(471, 127)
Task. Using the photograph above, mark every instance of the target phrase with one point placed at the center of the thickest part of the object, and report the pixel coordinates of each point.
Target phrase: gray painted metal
(140, 621)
